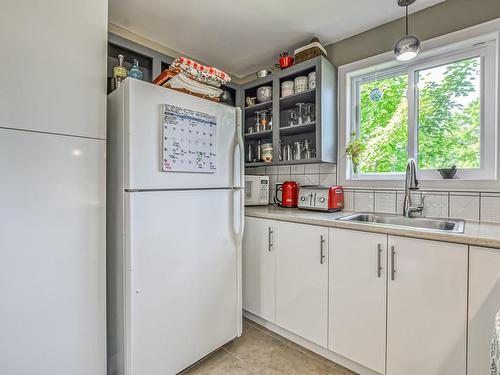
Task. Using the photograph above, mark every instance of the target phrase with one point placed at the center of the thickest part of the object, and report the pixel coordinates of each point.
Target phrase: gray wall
(443, 18)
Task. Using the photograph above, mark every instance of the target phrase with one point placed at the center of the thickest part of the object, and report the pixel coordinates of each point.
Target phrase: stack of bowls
(312, 80)
(264, 94)
(287, 88)
(266, 152)
(301, 84)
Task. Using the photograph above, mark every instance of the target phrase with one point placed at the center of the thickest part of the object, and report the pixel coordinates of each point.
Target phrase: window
(439, 110)
(449, 115)
(383, 124)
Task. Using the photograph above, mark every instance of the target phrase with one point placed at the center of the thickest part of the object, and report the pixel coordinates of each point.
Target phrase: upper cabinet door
(484, 303)
(53, 75)
(358, 265)
(302, 280)
(259, 273)
(427, 307)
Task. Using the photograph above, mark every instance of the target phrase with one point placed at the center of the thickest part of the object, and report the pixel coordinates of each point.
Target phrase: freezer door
(143, 139)
(182, 285)
(52, 254)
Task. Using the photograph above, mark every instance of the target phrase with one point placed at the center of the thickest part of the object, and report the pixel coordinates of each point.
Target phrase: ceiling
(243, 36)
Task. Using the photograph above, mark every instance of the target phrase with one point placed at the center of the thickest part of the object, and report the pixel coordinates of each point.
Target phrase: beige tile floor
(260, 351)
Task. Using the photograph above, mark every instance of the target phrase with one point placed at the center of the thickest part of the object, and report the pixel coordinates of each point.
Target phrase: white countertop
(476, 233)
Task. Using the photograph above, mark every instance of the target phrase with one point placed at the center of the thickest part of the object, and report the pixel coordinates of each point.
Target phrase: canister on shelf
(266, 150)
(298, 148)
(249, 153)
(301, 84)
(287, 152)
(287, 88)
(312, 80)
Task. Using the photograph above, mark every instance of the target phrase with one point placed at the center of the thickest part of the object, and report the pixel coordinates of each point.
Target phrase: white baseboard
(353, 366)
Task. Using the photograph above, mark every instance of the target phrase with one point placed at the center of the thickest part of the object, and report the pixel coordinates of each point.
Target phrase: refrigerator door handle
(239, 135)
(238, 143)
(237, 230)
(238, 186)
(242, 216)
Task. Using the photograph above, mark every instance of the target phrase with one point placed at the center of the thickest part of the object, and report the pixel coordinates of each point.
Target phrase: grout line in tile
(480, 204)
(240, 359)
(373, 203)
(297, 347)
(273, 335)
(249, 322)
(196, 364)
(291, 345)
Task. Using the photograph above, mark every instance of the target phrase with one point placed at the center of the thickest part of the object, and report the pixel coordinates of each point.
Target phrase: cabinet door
(53, 77)
(259, 272)
(302, 280)
(358, 277)
(427, 307)
(484, 303)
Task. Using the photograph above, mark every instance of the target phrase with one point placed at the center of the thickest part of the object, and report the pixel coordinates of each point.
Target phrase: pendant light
(408, 47)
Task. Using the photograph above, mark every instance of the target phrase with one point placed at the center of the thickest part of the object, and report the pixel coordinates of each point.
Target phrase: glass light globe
(407, 48)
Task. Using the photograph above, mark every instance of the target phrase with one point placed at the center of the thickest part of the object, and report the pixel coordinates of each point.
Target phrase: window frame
(485, 52)
(356, 115)
(435, 52)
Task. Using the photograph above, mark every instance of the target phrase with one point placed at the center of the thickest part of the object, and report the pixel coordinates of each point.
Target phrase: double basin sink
(399, 221)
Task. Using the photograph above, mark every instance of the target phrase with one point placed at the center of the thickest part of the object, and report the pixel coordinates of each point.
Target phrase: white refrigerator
(174, 235)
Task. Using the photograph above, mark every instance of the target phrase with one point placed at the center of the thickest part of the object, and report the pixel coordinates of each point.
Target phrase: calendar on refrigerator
(188, 140)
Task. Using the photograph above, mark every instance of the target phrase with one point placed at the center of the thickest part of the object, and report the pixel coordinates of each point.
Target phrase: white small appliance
(256, 190)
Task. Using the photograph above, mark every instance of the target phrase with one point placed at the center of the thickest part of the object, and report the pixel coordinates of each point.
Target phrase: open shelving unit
(151, 62)
(321, 133)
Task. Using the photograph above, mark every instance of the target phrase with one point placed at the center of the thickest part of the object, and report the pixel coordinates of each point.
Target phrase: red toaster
(321, 198)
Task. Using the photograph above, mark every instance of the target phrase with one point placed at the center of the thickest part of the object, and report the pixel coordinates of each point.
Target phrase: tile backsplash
(475, 205)
(303, 174)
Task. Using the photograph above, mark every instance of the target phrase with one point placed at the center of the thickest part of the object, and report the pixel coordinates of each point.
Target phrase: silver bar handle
(393, 268)
(238, 144)
(270, 239)
(242, 216)
(379, 260)
(241, 145)
(322, 250)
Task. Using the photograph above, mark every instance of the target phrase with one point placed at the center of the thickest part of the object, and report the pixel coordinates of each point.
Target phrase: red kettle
(285, 61)
(289, 194)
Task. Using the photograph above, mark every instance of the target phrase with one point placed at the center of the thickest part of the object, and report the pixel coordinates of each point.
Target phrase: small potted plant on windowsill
(353, 151)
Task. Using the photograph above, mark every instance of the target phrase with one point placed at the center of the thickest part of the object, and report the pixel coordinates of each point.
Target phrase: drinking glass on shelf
(301, 119)
(257, 122)
(293, 118)
(310, 108)
(307, 114)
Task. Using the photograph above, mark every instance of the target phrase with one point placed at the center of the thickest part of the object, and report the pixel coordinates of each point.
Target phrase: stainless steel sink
(433, 224)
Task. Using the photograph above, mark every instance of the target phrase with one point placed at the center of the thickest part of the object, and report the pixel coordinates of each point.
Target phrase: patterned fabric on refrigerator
(201, 73)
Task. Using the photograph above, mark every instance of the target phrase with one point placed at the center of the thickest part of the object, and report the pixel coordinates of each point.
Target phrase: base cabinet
(394, 305)
(426, 307)
(358, 268)
(259, 268)
(302, 280)
(484, 303)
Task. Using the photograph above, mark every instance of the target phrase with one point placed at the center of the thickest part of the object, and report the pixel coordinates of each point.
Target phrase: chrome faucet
(411, 183)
